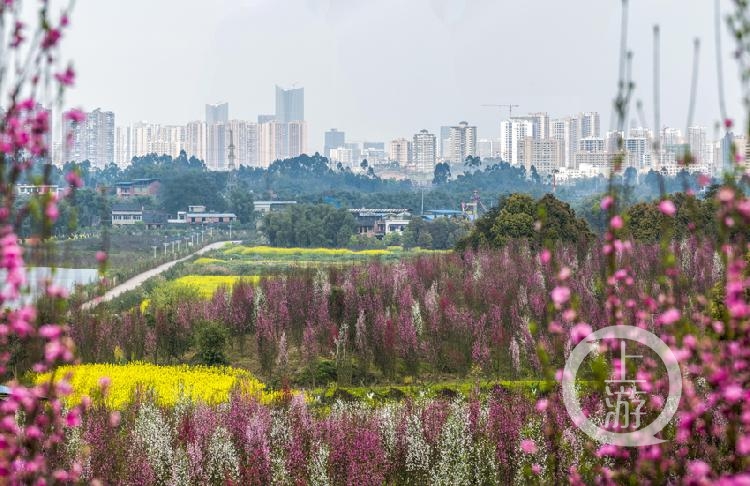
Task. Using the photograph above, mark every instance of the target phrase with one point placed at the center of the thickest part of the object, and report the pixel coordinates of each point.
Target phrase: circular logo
(637, 438)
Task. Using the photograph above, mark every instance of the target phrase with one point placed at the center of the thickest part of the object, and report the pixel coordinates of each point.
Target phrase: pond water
(66, 278)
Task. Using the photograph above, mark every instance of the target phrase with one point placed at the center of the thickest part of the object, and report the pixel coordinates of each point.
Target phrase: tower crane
(508, 106)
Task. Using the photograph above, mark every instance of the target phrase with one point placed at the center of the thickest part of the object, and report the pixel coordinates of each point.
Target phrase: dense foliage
(309, 225)
(520, 217)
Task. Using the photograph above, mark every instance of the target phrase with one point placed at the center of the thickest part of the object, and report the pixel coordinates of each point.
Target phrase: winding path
(134, 282)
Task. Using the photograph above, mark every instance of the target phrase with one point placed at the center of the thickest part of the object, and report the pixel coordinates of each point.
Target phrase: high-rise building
(333, 139)
(588, 125)
(267, 138)
(592, 144)
(123, 146)
(297, 138)
(252, 144)
(697, 143)
(545, 154)
(373, 145)
(424, 150)
(401, 151)
(613, 141)
(278, 141)
(636, 149)
(245, 139)
(290, 104)
(265, 118)
(217, 113)
(195, 139)
(92, 139)
(540, 125)
(343, 156)
(444, 142)
(217, 140)
(565, 131)
(512, 132)
(671, 137)
(462, 142)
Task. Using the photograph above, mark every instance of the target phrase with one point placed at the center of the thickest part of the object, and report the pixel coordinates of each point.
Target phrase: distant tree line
(311, 179)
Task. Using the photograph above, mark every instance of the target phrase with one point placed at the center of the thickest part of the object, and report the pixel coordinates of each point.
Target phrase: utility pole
(154, 247)
(166, 244)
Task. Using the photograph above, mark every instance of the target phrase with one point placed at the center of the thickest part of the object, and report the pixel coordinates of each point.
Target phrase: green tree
(309, 225)
(211, 344)
(173, 329)
(519, 216)
(442, 173)
(241, 203)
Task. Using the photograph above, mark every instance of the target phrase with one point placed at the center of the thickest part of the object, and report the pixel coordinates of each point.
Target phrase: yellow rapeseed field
(206, 384)
(207, 261)
(319, 252)
(207, 285)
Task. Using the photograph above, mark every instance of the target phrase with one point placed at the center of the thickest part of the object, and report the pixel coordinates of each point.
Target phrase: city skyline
(352, 70)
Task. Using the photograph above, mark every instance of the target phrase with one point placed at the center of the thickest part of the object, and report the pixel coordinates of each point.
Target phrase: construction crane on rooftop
(508, 106)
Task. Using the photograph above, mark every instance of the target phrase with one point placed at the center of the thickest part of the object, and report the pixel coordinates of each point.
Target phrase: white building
(565, 131)
(592, 144)
(696, 139)
(546, 155)
(462, 142)
(588, 125)
(342, 155)
(636, 149)
(512, 132)
(92, 139)
(425, 151)
(195, 139)
(400, 151)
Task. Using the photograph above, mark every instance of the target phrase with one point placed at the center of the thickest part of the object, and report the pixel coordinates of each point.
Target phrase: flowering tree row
(462, 442)
(436, 314)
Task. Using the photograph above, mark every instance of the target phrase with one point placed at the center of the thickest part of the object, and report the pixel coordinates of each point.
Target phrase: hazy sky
(380, 69)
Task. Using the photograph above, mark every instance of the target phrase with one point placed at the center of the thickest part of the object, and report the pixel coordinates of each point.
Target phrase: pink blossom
(50, 331)
(75, 115)
(607, 202)
(670, 316)
(528, 446)
(579, 332)
(51, 211)
(698, 469)
(114, 419)
(743, 445)
(536, 469)
(616, 222)
(726, 194)
(560, 295)
(667, 207)
(74, 179)
(104, 382)
(733, 393)
(66, 77)
(101, 256)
